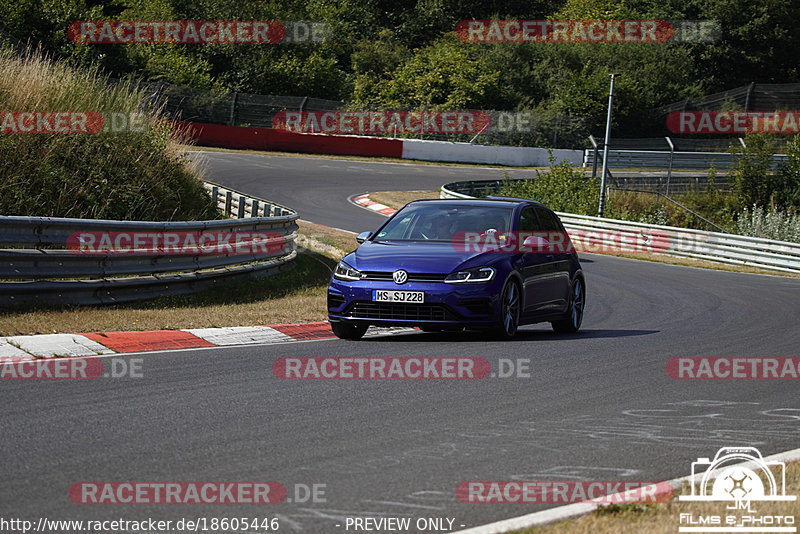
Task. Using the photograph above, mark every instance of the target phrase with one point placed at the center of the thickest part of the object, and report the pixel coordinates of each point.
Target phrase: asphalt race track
(318, 188)
(598, 405)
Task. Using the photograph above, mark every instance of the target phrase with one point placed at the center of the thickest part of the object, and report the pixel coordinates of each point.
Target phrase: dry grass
(326, 240)
(296, 296)
(665, 518)
(306, 305)
(398, 199)
(129, 175)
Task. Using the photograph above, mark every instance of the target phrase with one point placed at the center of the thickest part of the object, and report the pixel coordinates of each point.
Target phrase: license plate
(398, 296)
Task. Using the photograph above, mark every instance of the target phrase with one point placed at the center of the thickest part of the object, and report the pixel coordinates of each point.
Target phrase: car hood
(415, 257)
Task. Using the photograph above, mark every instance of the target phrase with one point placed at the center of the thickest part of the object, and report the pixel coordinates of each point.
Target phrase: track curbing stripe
(103, 343)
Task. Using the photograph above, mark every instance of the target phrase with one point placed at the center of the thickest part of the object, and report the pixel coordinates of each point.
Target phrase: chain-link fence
(244, 109)
(751, 97)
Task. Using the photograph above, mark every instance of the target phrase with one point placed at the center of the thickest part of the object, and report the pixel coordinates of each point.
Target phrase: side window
(548, 220)
(528, 222)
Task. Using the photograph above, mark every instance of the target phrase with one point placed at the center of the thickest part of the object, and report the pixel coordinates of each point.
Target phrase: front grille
(384, 276)
(399, 312)
(334, 300)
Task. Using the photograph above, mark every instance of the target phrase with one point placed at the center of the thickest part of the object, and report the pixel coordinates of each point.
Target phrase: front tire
(510, 306)
(347, 330)
(571, 323)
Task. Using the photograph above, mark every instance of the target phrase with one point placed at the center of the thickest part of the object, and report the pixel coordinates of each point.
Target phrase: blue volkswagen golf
(492, 264)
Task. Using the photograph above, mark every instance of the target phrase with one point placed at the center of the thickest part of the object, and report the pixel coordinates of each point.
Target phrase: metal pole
(605, 148)
(671, 154)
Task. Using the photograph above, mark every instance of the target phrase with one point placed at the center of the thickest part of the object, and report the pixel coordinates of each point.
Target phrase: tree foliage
(403, 53)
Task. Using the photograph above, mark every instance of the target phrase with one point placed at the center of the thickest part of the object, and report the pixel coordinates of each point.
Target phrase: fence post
(228, 203)
(555, 131)
(242, 206)
(254, 211)
(233, 108)
(747, 97)
(215, 196)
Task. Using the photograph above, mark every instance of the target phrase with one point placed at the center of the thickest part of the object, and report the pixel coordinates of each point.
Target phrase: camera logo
(719, 480)
(738, 476)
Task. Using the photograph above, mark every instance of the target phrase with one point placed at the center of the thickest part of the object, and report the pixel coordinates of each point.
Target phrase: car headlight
(477, 275)
(345, 272)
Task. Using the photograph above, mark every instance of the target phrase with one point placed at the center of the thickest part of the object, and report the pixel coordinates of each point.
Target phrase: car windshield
(444, 222)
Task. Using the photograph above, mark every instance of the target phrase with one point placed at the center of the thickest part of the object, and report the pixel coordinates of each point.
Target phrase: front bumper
(445, 304)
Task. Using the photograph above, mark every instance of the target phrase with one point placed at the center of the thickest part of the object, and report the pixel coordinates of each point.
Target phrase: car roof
(485, 201)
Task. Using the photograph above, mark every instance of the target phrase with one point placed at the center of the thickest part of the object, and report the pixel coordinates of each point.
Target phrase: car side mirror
(363, 236)
(535, 242)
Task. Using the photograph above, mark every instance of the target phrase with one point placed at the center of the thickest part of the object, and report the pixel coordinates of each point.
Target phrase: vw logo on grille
(400, 277)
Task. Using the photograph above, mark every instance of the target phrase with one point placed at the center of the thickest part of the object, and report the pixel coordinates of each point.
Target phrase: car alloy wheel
(577, 301)
(509, 310)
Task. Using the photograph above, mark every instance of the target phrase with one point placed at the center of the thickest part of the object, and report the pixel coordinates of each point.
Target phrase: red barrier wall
(268, 139)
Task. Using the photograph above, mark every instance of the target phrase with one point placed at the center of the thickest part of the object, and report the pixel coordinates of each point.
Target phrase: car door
(556, 261)
(539, 269)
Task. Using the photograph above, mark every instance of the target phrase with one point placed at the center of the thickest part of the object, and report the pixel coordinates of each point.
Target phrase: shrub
(562, 188)
(131, 176)
(758, 222)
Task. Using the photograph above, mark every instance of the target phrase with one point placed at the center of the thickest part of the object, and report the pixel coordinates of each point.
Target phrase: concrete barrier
(489, 154)
(219, 135)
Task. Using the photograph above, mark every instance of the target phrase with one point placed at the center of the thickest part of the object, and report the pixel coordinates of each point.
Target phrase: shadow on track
(522, 335)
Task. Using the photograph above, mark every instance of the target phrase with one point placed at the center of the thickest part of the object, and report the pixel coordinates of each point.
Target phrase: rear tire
(347, 330)
(571, 323)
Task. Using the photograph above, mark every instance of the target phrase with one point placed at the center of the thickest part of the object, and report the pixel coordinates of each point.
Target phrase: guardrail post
(215, 196)
(242, 206)
(228, 203)
(254, 211)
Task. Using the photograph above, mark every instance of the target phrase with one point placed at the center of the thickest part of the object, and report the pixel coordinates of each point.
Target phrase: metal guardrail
(236, 204)
(39, 261)
(714, 246)
(655, 159)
